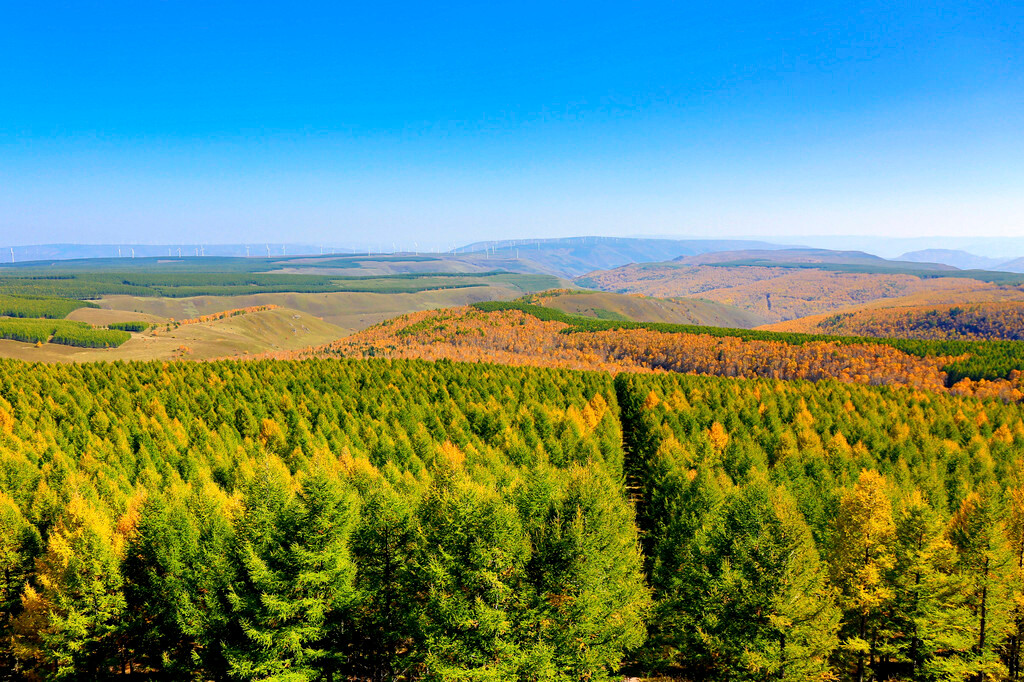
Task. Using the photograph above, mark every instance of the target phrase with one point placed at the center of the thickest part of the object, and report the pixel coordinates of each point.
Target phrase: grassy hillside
(639, 308)
(785, 293)
(156, 290)
(790, 256)
(273, 330)
(350, 311)
(977, 321)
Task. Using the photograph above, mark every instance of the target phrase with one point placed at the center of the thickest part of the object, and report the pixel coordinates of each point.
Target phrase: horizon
(997, 250)
(181, 123)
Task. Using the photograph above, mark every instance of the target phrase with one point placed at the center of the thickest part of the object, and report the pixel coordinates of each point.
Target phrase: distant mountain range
(564, 257)
(806, 256)
(579, 255)
(955, 257)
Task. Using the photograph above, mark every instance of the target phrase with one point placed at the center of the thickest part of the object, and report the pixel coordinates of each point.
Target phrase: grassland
(350, 311)
(785, 293)
(324, 317)
(272, 330)
(157, 291)
(638, 308)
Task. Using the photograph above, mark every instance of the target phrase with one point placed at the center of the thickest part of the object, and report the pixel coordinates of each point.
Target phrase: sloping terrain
(515, 337)
(775, 293)
(829, 259)
(1015, 265)
(955, 257)
(639, 308)
(349, 311)
(768, 257)
(258, 332)
(976, 321)
(575, 256)
(342, 294)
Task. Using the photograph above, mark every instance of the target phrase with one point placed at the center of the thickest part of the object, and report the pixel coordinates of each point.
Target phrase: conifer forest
(330, 519)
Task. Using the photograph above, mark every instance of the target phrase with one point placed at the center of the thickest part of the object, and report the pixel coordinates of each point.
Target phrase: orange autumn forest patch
(516, 338)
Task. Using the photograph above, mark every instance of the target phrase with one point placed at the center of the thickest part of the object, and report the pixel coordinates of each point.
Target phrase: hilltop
(571, 257)
(794, 283)
(320, 299)
(639, 308)
(957, 258)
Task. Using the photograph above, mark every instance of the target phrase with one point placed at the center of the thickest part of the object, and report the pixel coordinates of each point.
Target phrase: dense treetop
(389, 519)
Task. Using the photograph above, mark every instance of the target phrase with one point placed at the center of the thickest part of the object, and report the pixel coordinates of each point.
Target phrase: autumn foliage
(224, 314)
(516, 338)
(974, 321)
(776, 293)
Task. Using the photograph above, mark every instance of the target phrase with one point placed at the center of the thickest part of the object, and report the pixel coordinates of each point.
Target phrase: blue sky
(354, 123)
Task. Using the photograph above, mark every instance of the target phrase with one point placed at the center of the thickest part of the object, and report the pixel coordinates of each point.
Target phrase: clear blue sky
(358, 122)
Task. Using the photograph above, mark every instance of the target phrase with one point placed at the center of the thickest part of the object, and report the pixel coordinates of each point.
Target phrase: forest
(974, 357)
(62, 332)
(781, 291)
(51, 308)
(974, 321)
(518, 334)
(401, 519)
(54, 283)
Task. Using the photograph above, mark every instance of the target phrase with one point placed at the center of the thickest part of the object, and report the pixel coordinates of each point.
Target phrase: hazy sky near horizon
(355, 123)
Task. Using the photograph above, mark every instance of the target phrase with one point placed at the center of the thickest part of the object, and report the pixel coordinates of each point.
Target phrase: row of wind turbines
(489, 250)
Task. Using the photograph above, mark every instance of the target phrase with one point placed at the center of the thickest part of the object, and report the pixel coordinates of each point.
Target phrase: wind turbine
(119, 252)
(12, 254)
(282, 250)
(268, 250)
(179, 252)
(246, 250)
(133, 254)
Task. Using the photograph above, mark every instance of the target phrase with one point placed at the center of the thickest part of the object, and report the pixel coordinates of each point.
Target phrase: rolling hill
(640, 308)
(783, 256)
(789, 284)
(333, 295)
(954, 257)
(977, 321)
(576, 256)
(240, 335)
(523, 333)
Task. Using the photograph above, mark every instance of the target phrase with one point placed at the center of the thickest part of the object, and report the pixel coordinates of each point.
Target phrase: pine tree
(178, 569)
(584, 588)
(984, 563)
(320, 568)
(385, 613)
(1015, 536)
(862, 558)
(297, 576)
(472, 553)
(70, 614)
(272, 633)
(769, 613)
(804, 611)
(682, 581)
(928, 606)
(19, 544)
